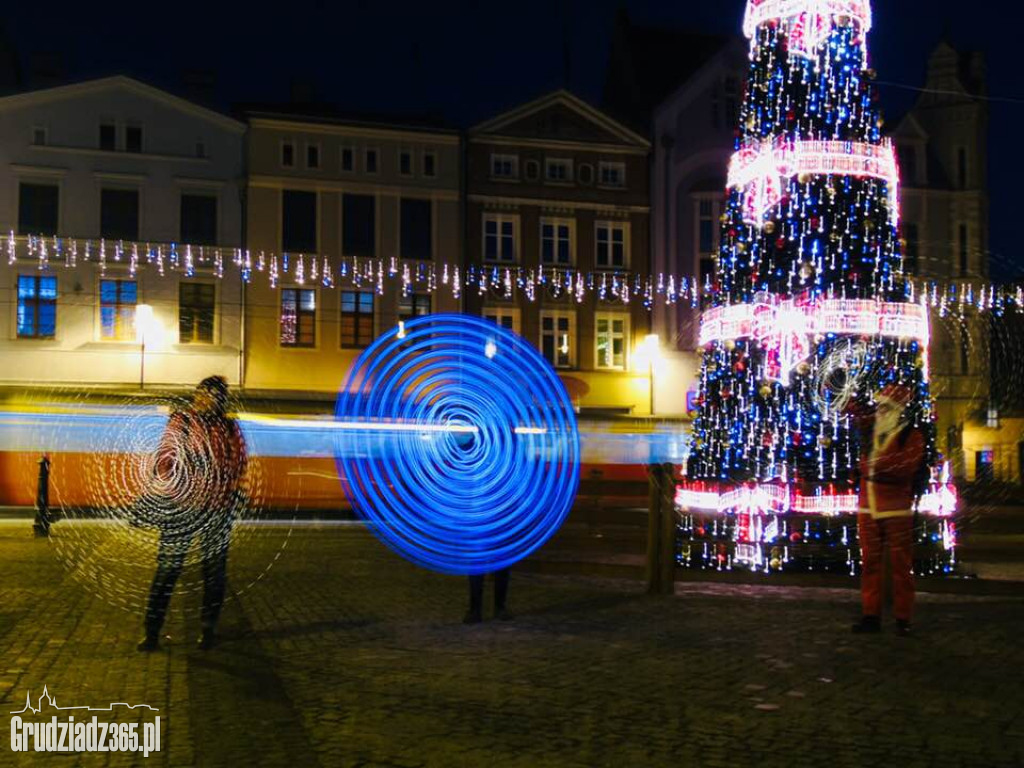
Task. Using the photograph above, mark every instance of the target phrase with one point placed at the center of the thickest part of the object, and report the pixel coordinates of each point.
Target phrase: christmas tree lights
(810, 304)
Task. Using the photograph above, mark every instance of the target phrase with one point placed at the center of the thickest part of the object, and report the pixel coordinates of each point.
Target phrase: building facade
(108, 174)
(552, 187)
(356, 198)
(942, 143)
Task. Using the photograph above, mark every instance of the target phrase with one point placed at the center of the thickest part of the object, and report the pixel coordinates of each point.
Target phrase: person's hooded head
(211, 396)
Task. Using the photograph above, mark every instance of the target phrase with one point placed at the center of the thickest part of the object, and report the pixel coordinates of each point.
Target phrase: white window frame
(611, 317)
(512, 160)
(280, 155)
(611, 226)
(319, 156)
(499, 219)
(556, 223)
(497, 314)
(423, 164)
(412, 162)
(555, 315)
(607, 165)
(550, 162)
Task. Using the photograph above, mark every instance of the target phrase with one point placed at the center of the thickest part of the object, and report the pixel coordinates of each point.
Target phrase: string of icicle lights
(496, 280)
(458, 443)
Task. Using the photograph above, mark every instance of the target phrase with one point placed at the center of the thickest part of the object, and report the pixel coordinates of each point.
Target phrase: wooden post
(654, 529)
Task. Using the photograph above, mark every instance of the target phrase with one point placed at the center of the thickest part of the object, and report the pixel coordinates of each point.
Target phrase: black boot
(868, 625)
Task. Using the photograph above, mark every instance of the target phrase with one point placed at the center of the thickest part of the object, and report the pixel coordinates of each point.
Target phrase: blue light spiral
(457, 443)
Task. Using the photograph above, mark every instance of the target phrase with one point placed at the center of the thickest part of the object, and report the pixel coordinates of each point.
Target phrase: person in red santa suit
(891, 453)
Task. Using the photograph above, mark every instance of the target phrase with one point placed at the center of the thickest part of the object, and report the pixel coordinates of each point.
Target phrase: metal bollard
(42, 523)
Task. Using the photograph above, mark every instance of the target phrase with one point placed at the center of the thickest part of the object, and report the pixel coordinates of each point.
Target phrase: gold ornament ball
(803, 369)
(804, 178)
(769, 227)
(765, 391)
(730, 345)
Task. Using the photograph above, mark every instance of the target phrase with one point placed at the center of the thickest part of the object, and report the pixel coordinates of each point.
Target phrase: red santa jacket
(887, 475)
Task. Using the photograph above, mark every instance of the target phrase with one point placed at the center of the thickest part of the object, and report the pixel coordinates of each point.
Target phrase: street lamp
(648, 353)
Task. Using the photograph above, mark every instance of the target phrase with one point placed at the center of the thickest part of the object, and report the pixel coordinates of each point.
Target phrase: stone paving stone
(343, 655)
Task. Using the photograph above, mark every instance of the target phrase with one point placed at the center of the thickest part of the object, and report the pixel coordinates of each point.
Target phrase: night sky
(468, 59)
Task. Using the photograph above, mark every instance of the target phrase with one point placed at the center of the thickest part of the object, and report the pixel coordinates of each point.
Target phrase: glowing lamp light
(490, 349)
(148, 330)
(648, 354)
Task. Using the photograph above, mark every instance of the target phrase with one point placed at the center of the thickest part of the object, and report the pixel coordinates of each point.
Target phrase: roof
(324, 113)
(649, 63)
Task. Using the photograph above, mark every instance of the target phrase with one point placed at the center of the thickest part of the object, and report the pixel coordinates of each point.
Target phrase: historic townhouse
(98, 182)
(556, 185)
(349, 197)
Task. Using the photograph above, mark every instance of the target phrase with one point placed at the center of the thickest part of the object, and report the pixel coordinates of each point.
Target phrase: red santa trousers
(897, 533)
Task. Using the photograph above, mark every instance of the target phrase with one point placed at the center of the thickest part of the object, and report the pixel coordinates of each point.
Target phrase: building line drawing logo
(52, 703)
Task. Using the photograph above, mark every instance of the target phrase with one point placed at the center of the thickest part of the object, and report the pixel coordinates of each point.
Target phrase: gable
(560, 117)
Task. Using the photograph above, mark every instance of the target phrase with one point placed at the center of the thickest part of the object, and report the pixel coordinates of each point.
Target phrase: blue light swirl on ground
(460, 446)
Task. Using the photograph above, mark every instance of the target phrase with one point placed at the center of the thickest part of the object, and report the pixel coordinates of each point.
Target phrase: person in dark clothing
(197, 490)
(476, 597)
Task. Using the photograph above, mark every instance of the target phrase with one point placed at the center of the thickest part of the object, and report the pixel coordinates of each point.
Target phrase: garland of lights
(460, 445)
(503, 282)
(808, 22)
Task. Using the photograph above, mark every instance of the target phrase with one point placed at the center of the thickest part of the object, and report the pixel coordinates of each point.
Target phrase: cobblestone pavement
(344, 655)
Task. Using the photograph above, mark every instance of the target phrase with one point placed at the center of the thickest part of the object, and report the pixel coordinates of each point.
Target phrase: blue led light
(458, 444)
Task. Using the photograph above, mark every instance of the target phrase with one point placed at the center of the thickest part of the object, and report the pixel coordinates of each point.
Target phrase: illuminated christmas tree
(810, 307)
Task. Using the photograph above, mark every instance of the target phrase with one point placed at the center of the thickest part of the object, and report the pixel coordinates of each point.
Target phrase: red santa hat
(899, 394)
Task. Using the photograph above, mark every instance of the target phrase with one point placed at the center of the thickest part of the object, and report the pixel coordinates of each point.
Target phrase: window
(964, 251)
(429, 164)
(371, 161)
(911, 255)
(405, 162)
(559, 171)
(612, 252)
(705, 227)
(298, 221)
(133, 138)
(298, 317)
(558, 338)
(612, 334)
(356, 319)
(119, 214)
(358, 225)
(195, 313)
(506, 317)
(118, 299)
(348, 161)
(500, 234)
(505, 166)
(313, 156)
(992, 417)
(108, 137)
(39, 136)
(38, 209)
(961, 167)
(37, 307)
(416, 236)
(613, 174)
(556, 241)
(199, 219)
(908, 157)
(413, 305)
(287, 154)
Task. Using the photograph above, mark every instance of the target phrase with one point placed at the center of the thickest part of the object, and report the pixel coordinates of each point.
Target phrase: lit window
(37, 307)
(505, 166)
(612, 333)
(298, 317)
(500, 238)
(196, 308)
(611, 245)
(992, 418)
(558, 338)
(556, 242)
(413, 305)
(356, 319)
(118, 299)
(506, 317)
